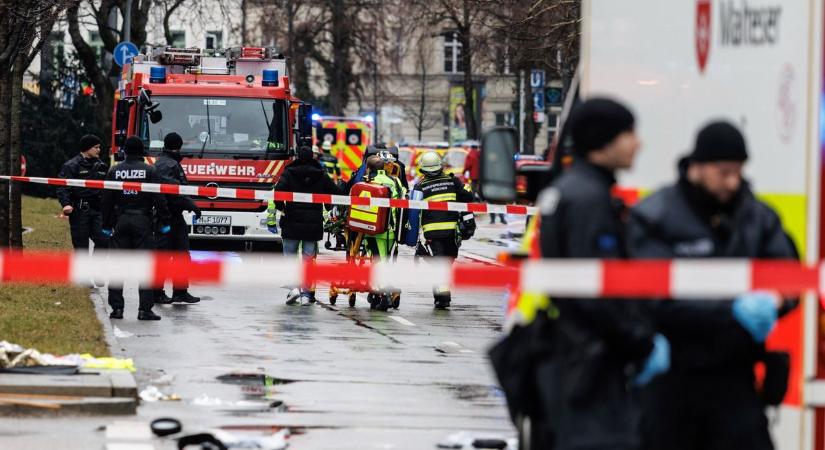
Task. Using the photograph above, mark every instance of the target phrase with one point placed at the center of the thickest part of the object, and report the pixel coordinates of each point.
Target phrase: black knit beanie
(88, 141)
(134, 146)
(172, 141)
(719, 141)
(596, 122)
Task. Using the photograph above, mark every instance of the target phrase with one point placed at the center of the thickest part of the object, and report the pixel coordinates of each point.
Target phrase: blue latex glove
(658, 362)
(165, 229)
(757, 313)
(107, 232)
(273, 229)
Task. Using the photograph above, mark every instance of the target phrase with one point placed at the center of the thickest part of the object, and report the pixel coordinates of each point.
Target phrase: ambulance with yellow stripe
(349, 137)
(759, 64)
(238, 119)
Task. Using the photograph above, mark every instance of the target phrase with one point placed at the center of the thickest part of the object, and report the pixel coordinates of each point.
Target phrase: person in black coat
(602, 348)
(708, 400)
(302, 224)
(82, 205)
(177, 239)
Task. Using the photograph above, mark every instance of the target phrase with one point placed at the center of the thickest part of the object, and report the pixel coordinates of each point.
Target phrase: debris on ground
(13, 356)
(467, 440)
(225, 440)
(153, 394)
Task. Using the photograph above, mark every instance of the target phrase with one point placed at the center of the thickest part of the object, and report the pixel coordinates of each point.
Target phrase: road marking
(402, 321)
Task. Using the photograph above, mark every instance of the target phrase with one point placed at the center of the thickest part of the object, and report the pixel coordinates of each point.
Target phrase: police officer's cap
(88, 141)
(134, 146)
(172, 141)
(596, 122)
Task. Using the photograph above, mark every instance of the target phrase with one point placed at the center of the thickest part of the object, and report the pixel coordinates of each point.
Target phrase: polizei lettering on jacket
(214, 169)
(744, 24)
(130, 174)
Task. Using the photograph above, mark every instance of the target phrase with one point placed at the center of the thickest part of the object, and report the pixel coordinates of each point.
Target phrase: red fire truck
(239, 122)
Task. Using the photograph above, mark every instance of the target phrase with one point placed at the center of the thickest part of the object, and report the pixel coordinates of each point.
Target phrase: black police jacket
(580, 219)
(170, 171)
(83, 169)
(304, 221)
(599, 345)
(133, 169)
(441, 187)
(681, 221)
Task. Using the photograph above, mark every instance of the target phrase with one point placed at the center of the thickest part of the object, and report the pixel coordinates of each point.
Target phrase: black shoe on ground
(116, 314)
(147, 315)
(503, 220)
(185, 297)
(442, 303)
(162, 299)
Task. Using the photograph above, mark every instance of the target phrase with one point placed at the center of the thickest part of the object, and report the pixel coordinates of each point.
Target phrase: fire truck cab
(239, 123)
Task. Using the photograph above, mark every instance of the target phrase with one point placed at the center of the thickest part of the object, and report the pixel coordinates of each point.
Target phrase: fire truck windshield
(218, 125)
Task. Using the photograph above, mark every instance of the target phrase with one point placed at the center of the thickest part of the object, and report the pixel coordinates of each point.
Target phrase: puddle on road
(258, 390)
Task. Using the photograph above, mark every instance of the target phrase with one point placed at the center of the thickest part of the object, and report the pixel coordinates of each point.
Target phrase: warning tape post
(266, 195)
(687, 279)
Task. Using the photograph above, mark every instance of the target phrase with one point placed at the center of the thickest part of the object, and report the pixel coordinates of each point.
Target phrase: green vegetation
(51, 318)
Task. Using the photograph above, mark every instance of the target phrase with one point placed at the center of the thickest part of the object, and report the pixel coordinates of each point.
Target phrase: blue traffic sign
(538, 101)
(124, 52)
(537, 79)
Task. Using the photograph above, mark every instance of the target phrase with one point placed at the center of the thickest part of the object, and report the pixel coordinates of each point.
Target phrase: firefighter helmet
(326, 146)
(430, 163)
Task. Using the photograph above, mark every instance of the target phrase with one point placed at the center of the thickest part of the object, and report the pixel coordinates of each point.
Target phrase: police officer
(177, 239)
(708, 400)
(601, 348)
(440, 228)
(127, 216)
(80, 204)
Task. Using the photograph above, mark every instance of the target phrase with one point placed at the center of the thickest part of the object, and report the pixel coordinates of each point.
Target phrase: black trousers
(708, 411)
(86, 223)
(443, 247)
(133, 231)
(176, 240)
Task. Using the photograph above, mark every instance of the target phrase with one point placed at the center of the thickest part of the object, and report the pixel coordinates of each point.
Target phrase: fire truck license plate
(213, 220)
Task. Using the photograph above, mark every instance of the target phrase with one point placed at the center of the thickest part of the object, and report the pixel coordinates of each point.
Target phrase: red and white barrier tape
(693, 279)
(266, 195)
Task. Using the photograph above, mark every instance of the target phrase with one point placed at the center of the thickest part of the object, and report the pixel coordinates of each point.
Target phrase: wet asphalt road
(337, 377)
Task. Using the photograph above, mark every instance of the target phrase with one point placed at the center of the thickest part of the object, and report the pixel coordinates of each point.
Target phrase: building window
(452, 53)
(214, 39)
(178, 38)
(56, 42)
(505, 119)
(397, 51)
(97, 44)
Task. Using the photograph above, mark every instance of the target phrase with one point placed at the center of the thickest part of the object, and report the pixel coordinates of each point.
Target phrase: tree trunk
(15, 200)
(465, 38)
(339, 75)
(5, 104)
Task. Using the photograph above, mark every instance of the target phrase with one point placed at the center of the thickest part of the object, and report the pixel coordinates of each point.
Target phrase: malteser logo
(703, 32)
(747, 25)
(741, 24)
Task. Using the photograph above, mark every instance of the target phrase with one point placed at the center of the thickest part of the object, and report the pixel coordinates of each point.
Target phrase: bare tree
(540, 34)
(469, 20)
(24, 27)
